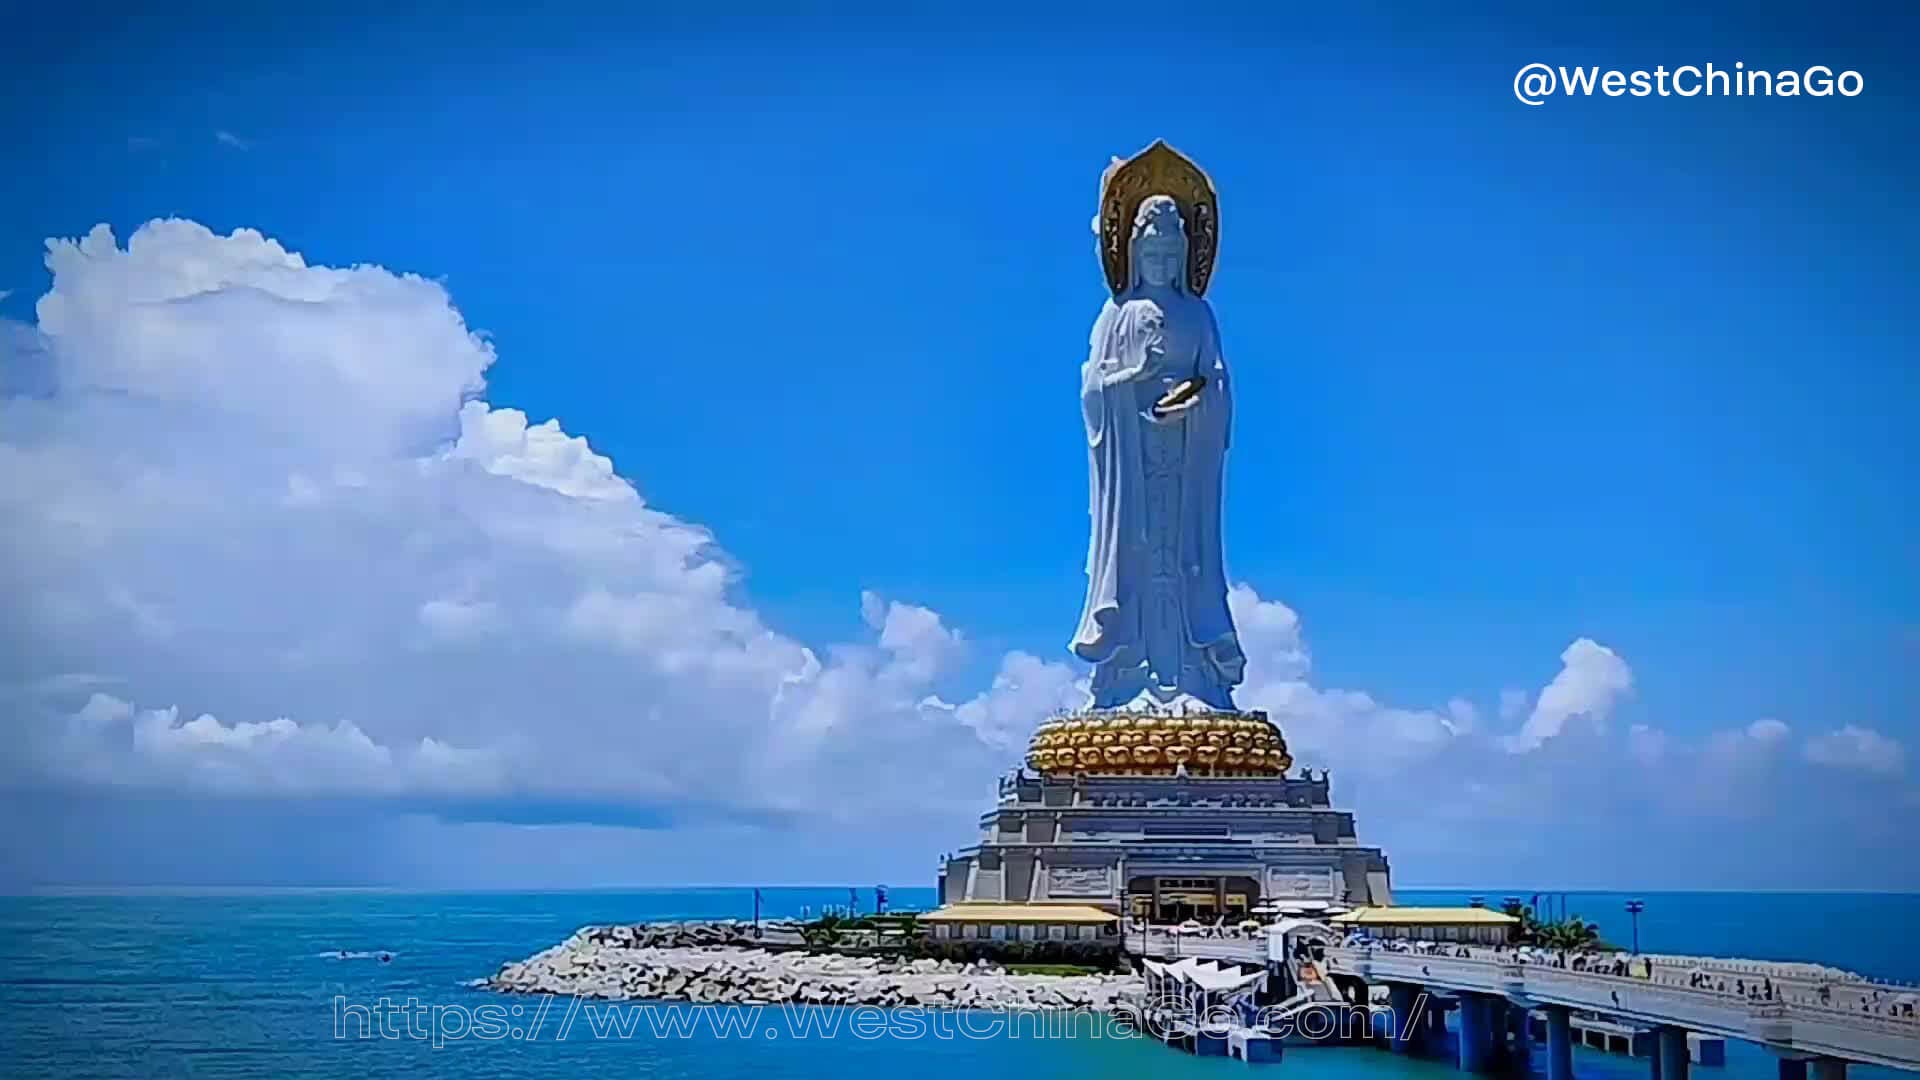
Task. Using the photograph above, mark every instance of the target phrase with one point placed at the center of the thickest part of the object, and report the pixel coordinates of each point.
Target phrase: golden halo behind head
(1157, 170)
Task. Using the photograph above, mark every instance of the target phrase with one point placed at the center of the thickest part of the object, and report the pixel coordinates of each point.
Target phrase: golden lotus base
(1119, 742)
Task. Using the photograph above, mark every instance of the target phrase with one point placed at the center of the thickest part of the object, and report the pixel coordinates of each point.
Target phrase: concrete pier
(1500, 1014)
(1476, 1033)
(1519, 1059)
(1826, 1068)
(1560, 1042)
(1400, 997)
(1615, 1037)
(1671, 1059)
(1433, 1027)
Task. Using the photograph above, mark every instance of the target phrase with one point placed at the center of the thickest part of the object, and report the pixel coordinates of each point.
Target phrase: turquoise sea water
(247, 984)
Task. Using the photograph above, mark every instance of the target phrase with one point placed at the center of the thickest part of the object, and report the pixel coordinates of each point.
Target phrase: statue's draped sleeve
(1092, 403)
(1109, 420)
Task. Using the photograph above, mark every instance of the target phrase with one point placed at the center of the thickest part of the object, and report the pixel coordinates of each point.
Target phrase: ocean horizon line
(1493, 892)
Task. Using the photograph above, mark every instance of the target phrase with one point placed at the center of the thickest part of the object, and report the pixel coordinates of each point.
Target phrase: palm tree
(1570, 935)
(1529, 932)
(1573, 935)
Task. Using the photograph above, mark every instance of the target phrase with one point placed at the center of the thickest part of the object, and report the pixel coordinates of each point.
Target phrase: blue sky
(1639, 371)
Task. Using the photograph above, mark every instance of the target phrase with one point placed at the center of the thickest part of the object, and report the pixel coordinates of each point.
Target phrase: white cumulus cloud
(264, 537)
(1853, 747)
(272, 492)
(1592, 679)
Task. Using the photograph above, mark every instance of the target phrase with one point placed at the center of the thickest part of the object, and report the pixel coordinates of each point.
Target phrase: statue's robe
(1155, 619)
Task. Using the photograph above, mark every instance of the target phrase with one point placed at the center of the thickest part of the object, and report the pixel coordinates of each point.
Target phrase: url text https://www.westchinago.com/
(541, 1020)
(1536, 83)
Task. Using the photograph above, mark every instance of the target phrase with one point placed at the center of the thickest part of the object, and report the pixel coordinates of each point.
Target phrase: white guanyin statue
(1158, 405)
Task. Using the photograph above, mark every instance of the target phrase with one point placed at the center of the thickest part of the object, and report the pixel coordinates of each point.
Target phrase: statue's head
(1159, 243)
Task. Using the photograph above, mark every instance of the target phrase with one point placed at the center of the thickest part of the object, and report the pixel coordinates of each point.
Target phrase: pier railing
(1777, 1006)
(1794, 1018)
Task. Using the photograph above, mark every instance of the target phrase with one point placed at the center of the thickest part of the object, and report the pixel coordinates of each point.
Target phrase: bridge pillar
(1560, 1042)
(1670, 1058)
(1792, 1068)
(1433, 1030)
(1826, 1068)
(1400, 1016)
(1519, 1052)
(1497, 1024)
(1476, 1032)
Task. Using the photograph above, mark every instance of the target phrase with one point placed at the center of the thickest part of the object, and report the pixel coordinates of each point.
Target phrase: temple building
(1163, 817)
(1020, 922)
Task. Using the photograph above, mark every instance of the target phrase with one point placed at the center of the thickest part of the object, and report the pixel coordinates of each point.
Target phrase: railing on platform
(1663, 995)
(1792, 1018)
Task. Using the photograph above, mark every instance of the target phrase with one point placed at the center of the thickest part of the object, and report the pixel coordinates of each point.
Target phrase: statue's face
(1160, 256)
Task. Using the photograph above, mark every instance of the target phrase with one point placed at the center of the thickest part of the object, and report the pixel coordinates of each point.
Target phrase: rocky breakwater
(717, 964)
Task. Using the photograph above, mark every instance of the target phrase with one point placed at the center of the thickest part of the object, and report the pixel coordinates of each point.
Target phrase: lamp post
(1634, 908)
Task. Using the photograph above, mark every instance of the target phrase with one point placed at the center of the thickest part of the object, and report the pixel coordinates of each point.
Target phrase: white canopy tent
(1209, 976)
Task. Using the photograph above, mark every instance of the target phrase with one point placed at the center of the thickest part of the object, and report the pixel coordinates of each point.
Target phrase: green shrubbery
(902, 935)
(1098, 955)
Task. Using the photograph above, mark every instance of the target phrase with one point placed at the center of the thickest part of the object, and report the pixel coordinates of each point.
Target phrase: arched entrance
(1175, 898)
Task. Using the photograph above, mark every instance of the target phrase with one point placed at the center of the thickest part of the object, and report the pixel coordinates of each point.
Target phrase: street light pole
(1634, 908)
